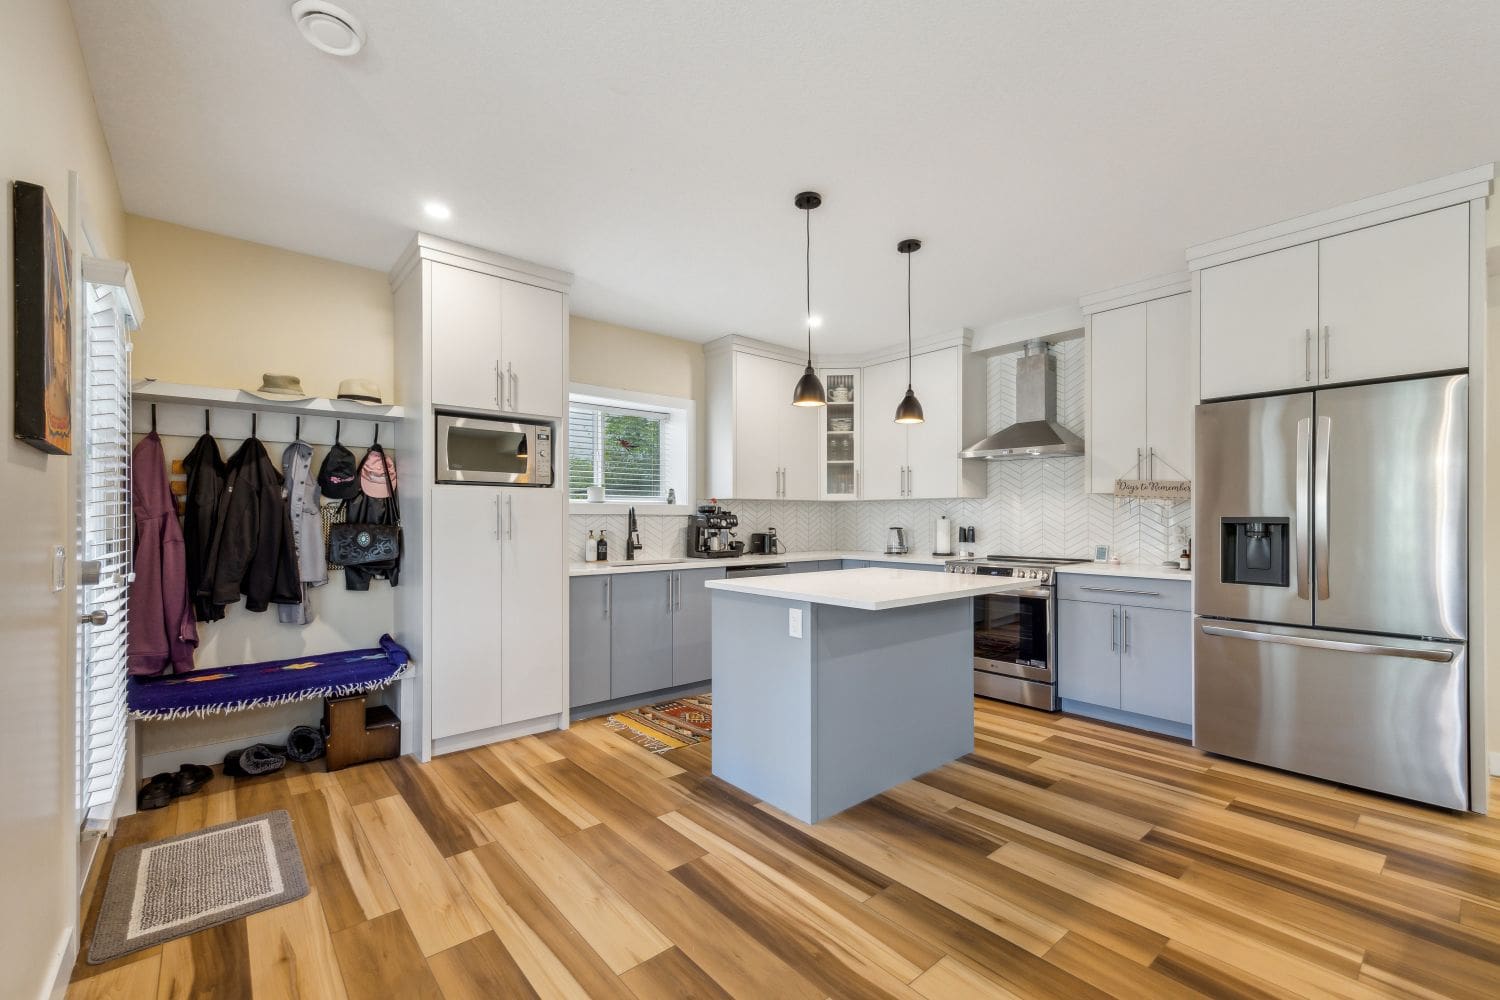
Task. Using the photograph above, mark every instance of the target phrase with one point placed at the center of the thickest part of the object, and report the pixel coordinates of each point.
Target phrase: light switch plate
(59, 568)
(794, 622)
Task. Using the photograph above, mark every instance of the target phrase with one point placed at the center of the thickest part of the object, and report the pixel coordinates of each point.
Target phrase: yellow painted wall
(621, 357)
(222, 311)
(48, 127)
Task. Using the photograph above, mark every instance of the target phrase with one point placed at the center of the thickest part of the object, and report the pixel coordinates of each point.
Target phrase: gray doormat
(170, 888)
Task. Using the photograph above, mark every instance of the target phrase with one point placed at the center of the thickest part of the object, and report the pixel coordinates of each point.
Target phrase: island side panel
(894, 697)
(762, 691)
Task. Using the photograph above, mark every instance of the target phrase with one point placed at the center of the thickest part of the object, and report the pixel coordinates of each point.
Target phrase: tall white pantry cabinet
(483, 598)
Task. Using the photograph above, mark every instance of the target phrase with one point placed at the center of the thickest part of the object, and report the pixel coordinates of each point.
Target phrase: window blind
(106, 537)
(618, 448)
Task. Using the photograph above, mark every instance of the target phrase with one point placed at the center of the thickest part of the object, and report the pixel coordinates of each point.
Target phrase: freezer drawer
(1384, 714)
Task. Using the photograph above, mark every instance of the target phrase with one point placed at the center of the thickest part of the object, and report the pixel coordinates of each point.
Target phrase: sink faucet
(632, 538)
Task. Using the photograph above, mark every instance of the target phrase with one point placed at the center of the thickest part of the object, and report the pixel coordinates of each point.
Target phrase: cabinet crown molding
(425, 246)
(1158, 287)
(1440, 192)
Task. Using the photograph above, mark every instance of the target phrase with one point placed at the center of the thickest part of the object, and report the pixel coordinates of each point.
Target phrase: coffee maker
(711, 534)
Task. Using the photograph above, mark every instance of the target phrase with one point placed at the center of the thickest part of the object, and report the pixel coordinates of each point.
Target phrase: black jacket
(253, 552)
(205, 491)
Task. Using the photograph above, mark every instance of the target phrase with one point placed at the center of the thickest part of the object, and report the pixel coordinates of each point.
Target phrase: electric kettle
(895, 542)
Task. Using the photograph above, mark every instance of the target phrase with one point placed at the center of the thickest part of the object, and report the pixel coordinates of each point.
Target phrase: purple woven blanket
(275, 682)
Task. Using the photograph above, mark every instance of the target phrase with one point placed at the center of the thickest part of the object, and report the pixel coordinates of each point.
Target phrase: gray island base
(877, 689)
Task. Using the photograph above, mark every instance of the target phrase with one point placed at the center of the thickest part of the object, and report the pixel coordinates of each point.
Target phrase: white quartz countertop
(1138, 571)
(653, 564)
(876, 588)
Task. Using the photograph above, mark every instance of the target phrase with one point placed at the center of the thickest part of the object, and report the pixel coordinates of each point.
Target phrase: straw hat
(282, 387)
(361, 390)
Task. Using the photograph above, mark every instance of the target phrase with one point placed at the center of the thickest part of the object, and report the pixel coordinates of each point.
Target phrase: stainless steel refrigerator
(1331, 594)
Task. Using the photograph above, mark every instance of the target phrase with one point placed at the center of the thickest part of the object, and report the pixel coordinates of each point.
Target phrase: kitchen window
(635, 449)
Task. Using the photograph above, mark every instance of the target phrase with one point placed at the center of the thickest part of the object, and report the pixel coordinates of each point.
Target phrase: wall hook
(208, 417)
(376, 439)
(253, 416)
(297, 435)
(153, 418)
(338, 425)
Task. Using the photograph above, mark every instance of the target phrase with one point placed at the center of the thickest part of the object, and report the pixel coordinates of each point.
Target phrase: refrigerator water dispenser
(1256, 550)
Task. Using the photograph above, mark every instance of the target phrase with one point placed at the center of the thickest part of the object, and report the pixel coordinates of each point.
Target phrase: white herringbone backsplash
(1035, 508)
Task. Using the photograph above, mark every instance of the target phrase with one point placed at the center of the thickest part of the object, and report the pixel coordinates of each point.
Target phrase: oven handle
(1042, 592)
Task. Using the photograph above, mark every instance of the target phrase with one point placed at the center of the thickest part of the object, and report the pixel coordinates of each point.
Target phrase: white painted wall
(48, 127)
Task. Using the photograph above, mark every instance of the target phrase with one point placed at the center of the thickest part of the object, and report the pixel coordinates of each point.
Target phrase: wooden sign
(1154, 489)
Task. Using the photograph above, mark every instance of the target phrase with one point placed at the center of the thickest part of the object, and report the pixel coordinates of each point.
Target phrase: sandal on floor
(156, 793)
(191, 777)
(253, 761)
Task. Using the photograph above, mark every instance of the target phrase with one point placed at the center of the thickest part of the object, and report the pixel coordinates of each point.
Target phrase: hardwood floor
(1064, 858)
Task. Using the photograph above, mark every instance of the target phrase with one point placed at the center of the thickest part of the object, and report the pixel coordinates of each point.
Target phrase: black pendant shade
(809, 391)
(909, 410)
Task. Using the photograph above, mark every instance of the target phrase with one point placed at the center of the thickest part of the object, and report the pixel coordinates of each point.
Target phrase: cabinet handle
(1138, 463)
(669, 592)
(1125, 632)
(609, 596)
(497, 517)
(510, 518)
(499, 400)
(515, 387)
(1121, 590)
(1327, 352)
(1114, 629)
(1307, 355)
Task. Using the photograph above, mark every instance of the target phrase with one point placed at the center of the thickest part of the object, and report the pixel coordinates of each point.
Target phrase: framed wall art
(44, 323)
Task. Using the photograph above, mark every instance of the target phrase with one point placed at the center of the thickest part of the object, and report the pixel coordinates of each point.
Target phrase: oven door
(1013, 634)
(493, 452)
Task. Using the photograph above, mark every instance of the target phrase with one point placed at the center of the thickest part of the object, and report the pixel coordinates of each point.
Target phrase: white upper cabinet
(1141, 386)
(1258, 323)
(760, 446)
(883, 443)
(1394, 299)
(467, 314)
(1116, 437)
(497, 344)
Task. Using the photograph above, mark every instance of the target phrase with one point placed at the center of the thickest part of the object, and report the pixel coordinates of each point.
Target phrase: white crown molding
(116, 273)
(425, 246)
(1062, 323)
(1158, 287)
(1467, 185)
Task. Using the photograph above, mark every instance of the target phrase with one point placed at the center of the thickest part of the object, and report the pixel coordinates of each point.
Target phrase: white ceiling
(1040, 150)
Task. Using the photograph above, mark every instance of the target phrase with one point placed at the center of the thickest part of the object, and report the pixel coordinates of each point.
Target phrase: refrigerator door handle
(1320, 504)
(1367, 648)
(1304, 459)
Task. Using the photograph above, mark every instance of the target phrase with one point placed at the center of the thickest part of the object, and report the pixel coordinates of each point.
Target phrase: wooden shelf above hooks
(206, 396)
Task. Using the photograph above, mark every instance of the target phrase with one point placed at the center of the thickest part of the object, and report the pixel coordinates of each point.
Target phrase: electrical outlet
(59, 568)
(794, 622)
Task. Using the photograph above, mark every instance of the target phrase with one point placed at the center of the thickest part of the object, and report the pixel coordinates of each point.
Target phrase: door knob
(94, 618)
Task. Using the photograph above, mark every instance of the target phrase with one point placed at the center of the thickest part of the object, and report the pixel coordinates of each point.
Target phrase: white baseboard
(211, 753)
(1495, 763)
(496, 734)
(64, 955)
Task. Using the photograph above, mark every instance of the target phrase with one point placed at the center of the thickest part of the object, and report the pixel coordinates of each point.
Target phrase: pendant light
(809, 391)
(909, 411)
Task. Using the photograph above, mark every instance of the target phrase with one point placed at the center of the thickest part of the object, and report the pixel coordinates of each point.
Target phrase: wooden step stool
(357, 734)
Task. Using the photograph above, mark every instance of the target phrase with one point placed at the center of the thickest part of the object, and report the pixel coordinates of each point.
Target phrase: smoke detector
(328, 27)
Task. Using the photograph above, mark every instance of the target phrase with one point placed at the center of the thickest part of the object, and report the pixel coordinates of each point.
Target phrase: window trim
(607, 395)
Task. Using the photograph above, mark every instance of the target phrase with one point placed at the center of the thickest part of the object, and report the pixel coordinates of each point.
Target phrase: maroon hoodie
(162, 632)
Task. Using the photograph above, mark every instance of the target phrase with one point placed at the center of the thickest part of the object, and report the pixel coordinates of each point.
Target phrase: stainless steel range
(1015, 649)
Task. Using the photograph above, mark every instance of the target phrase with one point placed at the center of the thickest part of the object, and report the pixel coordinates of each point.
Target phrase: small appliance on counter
(942, 536)
(765, 543)
(895, 542)
(710, 533)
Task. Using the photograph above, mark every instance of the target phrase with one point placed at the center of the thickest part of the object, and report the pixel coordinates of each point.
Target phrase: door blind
(105, 537)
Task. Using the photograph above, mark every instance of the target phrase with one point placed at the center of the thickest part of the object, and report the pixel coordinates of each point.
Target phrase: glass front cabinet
(839, 454)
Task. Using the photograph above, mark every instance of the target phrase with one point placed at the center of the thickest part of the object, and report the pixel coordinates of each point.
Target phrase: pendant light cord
(807, 283)
(908, 322)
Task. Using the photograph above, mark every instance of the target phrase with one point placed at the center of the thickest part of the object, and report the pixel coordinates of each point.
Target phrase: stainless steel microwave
(493, 452)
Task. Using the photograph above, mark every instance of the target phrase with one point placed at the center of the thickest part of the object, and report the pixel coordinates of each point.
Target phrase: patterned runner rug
(170, 888)
(667, 726)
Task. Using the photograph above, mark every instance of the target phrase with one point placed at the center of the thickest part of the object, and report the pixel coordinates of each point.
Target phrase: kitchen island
(832, 687)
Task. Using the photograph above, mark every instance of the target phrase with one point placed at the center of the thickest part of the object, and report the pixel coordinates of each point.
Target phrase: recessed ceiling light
(437, 210)
(329, 28)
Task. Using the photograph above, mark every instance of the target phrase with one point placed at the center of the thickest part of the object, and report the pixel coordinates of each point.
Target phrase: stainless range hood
(1036, 432)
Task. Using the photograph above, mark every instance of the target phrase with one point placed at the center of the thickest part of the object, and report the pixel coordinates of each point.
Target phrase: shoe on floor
(304, 744)
(191, 777)
(156, 793)
(252, 761)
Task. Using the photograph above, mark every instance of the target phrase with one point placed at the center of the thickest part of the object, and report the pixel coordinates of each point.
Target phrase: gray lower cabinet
(588, 639)
(1126, 658)
(692, 639)
(854, 563)
(633, 633)
(640, 634)
(926, 567)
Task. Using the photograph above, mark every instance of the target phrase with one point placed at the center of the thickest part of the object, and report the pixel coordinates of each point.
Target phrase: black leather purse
(364, 543)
